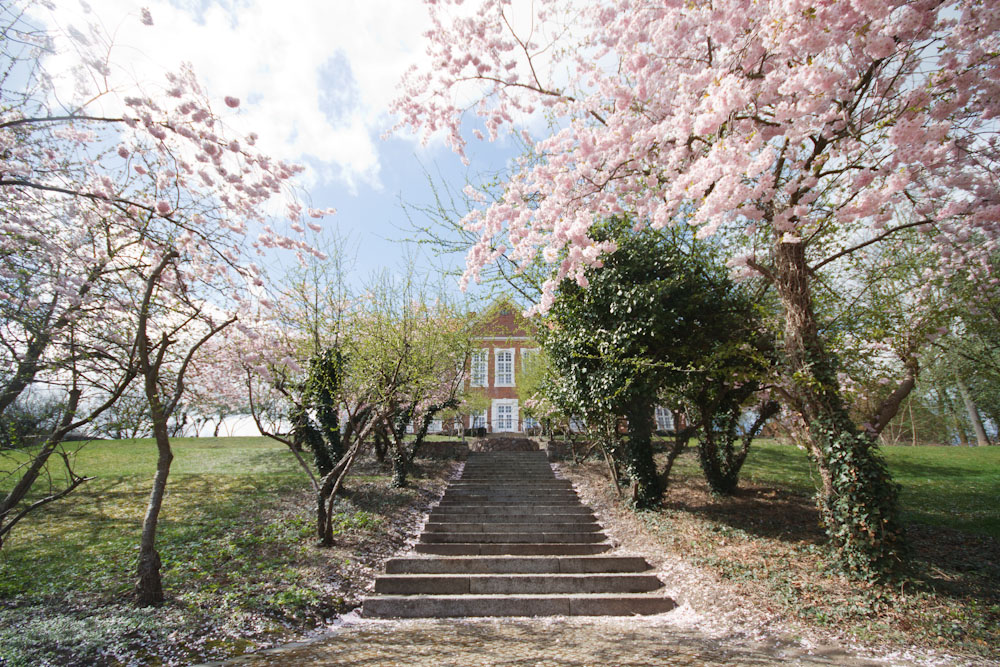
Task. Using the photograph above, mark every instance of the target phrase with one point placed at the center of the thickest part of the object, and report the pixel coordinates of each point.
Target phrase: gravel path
(548, 642)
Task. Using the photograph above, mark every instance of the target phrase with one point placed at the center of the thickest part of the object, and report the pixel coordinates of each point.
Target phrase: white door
(504, 416)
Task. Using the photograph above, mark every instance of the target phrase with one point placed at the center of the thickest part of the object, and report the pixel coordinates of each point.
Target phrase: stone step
(520, 484)
(511, 498)
(514, 473)
(497, 527)
(516, 516)
(530, 491)
(509, 538)
(520, 480)
(516, 565)
(544, 519)
(521, 457)
(512, 538)
(507, 469)
(487, 507)
(510, 490)
(450, 606)
(501, 466)
(517, 476)
(511, 549)
(490, 507)
(497, 513)
(513, 584)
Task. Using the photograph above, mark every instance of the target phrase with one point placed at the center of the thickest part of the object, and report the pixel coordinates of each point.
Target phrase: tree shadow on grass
(949, 562)
(761, 511)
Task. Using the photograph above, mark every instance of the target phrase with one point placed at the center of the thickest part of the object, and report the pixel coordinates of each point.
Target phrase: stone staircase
(510, 539)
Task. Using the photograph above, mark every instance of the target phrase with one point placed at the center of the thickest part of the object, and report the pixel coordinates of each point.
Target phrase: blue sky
(316, 79)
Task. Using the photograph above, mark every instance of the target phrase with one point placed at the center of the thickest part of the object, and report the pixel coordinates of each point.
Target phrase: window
(435, 426)
(505, 368)
(479, 365)
(479, 419)
(530, 423)
(577, 425)
(664, 419)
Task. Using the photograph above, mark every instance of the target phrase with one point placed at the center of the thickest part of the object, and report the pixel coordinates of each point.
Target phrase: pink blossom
(232, 102)
(145, 16)
(163, 208)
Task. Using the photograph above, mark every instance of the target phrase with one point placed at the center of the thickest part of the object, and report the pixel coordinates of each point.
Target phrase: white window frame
(499, 426)
(498, 377)
(662, 416)
(527, 353)
(480, 360)
(477, 419)
(436, 426)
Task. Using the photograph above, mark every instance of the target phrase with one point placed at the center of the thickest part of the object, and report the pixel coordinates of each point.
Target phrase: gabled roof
(503, 319)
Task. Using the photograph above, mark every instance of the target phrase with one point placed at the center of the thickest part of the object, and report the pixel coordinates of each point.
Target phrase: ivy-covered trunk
(400, 456)
(720, 459)
(858, 501)
(638, 462)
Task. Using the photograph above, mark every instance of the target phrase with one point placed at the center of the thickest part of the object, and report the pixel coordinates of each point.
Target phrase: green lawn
(192, 456)
(944, 486)
(236, 538)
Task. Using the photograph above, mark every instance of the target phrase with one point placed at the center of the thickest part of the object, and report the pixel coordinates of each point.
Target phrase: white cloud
(315, 78)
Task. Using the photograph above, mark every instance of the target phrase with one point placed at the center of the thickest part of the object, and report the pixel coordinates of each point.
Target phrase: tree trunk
(19, 492)
(680, 442)
(148, 587)
(995, 418)
(858, 501)
(381, 445)
(970, 408)
(949, 410)
(328, 490)
(638, 456)
(400, 464)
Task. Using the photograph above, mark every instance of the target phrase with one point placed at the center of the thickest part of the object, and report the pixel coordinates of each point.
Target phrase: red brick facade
(503, 340)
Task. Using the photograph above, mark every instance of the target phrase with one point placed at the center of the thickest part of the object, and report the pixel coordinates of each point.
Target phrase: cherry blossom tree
(151, 208)
(808, 131)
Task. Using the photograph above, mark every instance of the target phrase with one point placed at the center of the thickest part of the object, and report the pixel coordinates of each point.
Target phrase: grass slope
(240, 565)
(956, 487)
